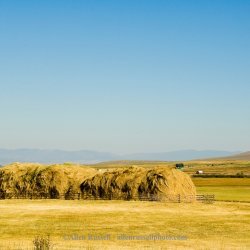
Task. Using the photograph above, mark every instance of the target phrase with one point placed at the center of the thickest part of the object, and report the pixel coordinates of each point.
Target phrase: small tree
(179, 165)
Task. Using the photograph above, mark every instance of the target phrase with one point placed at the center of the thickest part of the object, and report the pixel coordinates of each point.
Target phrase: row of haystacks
(18, 179)
(160, 183)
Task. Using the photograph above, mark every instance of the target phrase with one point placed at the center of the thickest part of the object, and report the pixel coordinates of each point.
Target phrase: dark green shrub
(179, 165)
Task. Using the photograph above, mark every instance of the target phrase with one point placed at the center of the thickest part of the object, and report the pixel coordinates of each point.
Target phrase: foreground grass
(206, 226)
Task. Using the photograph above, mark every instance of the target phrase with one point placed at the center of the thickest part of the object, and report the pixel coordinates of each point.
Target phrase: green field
(230, 189)
(241, 193)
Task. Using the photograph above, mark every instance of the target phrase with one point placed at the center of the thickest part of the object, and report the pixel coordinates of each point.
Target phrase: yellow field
(222, 225)
(203, 226)
(201, 182)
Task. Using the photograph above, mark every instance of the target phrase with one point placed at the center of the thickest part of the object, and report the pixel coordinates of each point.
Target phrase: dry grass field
(220, 225)
(218, 167)
(210, 167)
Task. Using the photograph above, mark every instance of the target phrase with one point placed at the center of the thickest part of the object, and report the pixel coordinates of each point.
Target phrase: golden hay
(162, 183)
(23, 178)
(159, 183)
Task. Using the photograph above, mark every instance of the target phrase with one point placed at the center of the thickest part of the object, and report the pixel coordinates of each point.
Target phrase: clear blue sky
(125, 76)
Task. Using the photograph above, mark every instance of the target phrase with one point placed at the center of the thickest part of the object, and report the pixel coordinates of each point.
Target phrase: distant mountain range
(240, 157)
(86, 156)
(181, 155)
(52, 156)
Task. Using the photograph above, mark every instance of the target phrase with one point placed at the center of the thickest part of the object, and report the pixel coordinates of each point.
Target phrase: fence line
(208, 198)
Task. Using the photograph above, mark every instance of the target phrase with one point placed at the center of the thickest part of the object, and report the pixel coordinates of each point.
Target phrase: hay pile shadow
(138, 183)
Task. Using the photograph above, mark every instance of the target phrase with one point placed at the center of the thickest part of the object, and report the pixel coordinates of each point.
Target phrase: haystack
(49, 181)
(159, 183)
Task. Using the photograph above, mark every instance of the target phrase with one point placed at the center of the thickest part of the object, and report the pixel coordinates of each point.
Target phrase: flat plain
(81, 224)
(221, 225)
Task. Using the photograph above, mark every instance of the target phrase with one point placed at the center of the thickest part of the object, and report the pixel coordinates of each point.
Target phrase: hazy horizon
(125, 76)
(87, 156)
(123, 152)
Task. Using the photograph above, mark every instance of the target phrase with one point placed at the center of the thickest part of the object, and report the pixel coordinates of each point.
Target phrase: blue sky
(125, 76)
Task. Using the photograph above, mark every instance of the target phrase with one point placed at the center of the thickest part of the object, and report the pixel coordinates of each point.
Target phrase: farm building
(199, 172)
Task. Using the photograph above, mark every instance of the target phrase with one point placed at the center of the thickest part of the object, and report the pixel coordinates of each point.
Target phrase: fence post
(179, 198)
